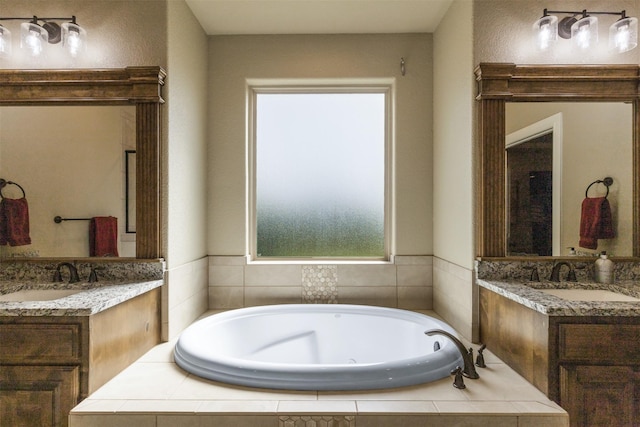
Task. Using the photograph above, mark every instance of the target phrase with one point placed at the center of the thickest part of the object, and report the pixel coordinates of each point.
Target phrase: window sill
(318, 261)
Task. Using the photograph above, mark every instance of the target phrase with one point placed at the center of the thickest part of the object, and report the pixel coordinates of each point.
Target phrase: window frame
(319, 86)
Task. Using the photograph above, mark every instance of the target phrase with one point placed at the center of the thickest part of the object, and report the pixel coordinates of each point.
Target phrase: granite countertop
(530, 295)
(95, 297)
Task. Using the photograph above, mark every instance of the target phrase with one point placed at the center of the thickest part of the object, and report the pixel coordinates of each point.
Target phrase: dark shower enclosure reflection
(530, 193)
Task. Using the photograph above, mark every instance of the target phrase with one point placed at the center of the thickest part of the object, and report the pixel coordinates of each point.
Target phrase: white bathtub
(317, 347)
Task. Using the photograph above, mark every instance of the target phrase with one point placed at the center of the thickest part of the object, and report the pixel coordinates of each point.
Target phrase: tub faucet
(469, 369)
(73, 273)
(555, 273)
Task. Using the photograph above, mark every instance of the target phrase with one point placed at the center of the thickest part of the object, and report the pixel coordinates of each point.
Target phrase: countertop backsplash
(510, 269)
(43, 271)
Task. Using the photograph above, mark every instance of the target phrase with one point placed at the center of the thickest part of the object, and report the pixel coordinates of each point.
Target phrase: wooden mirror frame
(139, 86)
(499, 83)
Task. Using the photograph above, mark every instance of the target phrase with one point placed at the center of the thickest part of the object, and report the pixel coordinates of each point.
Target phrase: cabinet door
(600, 395)
(38, 396)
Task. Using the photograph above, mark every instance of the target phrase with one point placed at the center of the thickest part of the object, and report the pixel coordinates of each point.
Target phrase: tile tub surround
(117, 282)
(511, 280)
(154, 392)
(455, 297)
(405, 283)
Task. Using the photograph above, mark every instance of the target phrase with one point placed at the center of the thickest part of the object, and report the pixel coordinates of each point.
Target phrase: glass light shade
(623, 35)
(74, 38)
(545, 31)
(5, 42)
(33, 38)
(584, 32)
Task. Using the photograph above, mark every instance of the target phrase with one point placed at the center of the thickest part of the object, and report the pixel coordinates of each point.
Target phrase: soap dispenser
(604, 269)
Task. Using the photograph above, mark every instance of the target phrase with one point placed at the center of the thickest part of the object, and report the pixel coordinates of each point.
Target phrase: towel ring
(606, 182)
(4, 183)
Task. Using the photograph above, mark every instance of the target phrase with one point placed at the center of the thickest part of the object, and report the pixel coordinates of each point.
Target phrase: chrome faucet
(469, 369)
(555, 273)
(73, 273)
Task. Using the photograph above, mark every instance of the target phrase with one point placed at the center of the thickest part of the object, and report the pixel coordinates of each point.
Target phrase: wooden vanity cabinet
(48, 364)
(599, 372)
(589, 365)
(40, 370)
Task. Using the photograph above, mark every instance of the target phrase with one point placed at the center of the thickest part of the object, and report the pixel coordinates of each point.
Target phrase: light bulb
(545, 31)
(584, 32)
(623, 35)
(74, 44)
(74, 38)
(5, 42)
(33, 38)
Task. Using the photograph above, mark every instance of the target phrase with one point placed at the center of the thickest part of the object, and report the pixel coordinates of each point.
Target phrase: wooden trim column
(148, 181)
(491, 226)
(636, 178)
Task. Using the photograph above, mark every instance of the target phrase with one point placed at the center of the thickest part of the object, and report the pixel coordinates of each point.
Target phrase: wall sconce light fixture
(582, 28)
(36, 33)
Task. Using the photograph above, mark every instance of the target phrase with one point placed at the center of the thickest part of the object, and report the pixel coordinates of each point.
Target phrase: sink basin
(38, 294)
(589, 295)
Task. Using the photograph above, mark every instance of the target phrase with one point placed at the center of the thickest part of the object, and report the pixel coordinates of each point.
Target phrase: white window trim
(260, 86)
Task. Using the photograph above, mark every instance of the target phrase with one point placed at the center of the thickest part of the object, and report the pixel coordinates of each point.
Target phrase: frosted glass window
(320, 174)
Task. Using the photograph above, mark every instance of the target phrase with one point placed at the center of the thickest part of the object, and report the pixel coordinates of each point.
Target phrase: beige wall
(233, 59)
(454, 296)
(596, 143)
(185, 182)
(187, 152)
(453, 151)
(502, 32)
(120, 33)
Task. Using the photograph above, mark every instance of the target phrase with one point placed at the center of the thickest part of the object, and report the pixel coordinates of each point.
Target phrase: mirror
(555, 150)
(538, 92)
(58, 180)
(71, 165)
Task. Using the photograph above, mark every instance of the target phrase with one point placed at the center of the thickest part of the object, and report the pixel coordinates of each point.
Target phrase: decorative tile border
(317, 421)
(320, 284)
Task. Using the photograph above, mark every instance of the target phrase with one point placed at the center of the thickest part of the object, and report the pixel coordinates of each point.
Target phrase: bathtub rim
(255, 373)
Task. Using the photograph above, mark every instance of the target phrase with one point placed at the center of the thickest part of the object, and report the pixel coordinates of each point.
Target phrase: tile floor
(154, 392)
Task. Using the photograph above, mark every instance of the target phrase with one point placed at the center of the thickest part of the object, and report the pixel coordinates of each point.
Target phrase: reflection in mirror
(555, 150)
(70, 160)
(529, 196)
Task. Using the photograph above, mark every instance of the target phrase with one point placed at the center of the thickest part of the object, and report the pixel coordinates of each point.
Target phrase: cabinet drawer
(39, 342)
(38, 395)
(600, 343)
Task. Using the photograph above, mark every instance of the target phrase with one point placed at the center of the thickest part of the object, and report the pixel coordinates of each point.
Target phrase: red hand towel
(14, 222)
(103, 236)
(595, 222)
